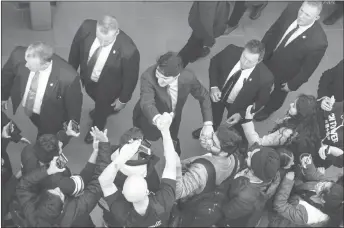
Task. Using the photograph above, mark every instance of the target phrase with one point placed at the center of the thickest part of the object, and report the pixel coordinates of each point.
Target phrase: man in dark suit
(165, 87)
(295, 45)
(46, 85)
(331, 83)
(237, 80)
(208, 20)
(109, 67)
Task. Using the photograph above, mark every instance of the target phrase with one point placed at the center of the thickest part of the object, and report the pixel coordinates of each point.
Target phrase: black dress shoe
(257, 11)
(261, 116)
(205, 52)
(88, 138)
(196, 133)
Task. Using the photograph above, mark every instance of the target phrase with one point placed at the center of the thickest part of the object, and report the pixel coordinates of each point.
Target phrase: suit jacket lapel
(162, 92)
(249, 85)
(302, 37)
(52, 82)
(88, 43)
(25, 73)
(115, 50)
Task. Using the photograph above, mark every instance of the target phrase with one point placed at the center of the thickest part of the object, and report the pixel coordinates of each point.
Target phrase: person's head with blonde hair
(107, 30)
(38, 56)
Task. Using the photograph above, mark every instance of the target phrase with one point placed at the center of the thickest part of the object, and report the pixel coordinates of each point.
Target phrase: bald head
(135, 188)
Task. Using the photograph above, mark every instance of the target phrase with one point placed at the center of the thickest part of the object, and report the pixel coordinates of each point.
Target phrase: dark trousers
(238, 11)
(192, 50)
(217, 109)
(102, 109)
(277, 98)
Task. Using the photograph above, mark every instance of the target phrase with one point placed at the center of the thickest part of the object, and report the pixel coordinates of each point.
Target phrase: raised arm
(297, 214)
(147, 100)
(199, 92)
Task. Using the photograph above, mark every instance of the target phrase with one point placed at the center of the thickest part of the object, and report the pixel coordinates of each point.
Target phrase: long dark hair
(304, 124)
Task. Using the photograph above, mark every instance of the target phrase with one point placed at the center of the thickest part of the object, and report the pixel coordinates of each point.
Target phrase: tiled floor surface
(155, 27)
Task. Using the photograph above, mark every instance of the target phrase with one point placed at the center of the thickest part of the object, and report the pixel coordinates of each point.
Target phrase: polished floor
(155, 27)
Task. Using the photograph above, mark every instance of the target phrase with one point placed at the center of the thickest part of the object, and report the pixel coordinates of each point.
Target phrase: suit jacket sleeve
(309, 65)
(147, 101)
(264, 93)
(8, 74)
(131, 67)
(207, 12)
(215, 68)
(326, 82)
(74, 54)
(202, 95)
(73, 99)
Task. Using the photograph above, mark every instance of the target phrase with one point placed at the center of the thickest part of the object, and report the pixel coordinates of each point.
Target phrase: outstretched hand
(99, 135)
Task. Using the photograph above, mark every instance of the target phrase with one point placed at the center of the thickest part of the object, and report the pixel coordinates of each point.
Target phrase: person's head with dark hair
(133, 133)
(286, 157)
(302, 119)
(49, 206)
(224, 142)
(253, 54)
(169, 67)
(263, 162)
(47, 147)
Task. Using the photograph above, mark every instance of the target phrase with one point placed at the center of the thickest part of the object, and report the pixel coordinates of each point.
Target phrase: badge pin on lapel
(51, 84)
(114, 52)
(303, 37)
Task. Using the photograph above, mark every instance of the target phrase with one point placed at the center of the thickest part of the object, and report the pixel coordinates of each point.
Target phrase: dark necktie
(92, 62)
(286, 38)
(31, 95)
(227, 88)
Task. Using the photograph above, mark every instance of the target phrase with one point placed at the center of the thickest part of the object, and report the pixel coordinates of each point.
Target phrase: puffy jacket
(247, 200)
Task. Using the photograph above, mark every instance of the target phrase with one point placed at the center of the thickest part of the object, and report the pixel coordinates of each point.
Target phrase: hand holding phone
(61, 161)
(72, 129)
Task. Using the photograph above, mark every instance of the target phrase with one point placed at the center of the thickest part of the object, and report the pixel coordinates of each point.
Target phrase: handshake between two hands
(164, 121)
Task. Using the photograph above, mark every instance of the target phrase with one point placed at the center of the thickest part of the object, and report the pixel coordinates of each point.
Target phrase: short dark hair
(49, 143)
(170, 63)
(49, 207)
(132, 133)
(229, 138)
(256, 47)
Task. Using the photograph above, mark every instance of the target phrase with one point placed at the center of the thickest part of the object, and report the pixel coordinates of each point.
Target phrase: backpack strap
(211, 182)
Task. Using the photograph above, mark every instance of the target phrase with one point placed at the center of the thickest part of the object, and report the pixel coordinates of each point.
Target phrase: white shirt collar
(48, 69)
(247, 71)
(304, 28)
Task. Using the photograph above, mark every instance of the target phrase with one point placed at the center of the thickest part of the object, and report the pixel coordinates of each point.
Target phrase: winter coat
(247, 200)
(294, 211)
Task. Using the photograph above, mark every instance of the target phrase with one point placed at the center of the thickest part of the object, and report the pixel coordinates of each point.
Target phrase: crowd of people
(244, 180)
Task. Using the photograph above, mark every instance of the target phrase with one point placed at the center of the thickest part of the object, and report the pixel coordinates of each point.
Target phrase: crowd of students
(260, 182)
(244, 179)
